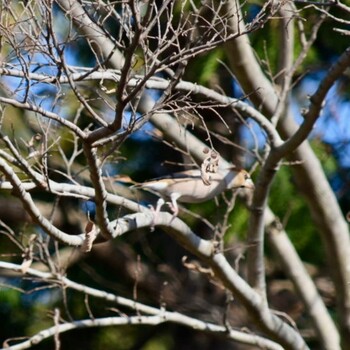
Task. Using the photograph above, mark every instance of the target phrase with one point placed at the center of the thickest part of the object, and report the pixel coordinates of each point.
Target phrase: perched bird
(189, 186)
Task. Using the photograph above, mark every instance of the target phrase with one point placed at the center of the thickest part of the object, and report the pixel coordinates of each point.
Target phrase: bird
(190, 187)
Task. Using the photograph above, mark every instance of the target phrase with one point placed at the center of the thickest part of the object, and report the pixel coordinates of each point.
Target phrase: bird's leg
(156, 211)
(173, 206)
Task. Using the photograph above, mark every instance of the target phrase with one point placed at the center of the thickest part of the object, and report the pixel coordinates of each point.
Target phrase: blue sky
(332, 126)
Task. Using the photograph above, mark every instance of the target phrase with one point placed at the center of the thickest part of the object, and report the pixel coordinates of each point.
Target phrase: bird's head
(239, 178)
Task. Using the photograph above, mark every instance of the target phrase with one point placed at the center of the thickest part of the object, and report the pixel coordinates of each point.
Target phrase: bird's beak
(249, 184)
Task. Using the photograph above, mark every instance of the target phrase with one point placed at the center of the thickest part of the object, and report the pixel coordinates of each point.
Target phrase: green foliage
(132, 337)
(14, 313)
(124, 336)
(266, 44)
(204, 68)
(267, 40)
(238, 221)
(293, 212)
(161, 342)
(323, 153)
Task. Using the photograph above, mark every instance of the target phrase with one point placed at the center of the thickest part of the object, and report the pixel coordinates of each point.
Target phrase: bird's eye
(246, 176)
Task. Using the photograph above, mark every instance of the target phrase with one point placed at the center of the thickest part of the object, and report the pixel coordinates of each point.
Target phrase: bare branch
(316, 100)
(32, 209)
(294, 268)
(159, 314)
(87, 117)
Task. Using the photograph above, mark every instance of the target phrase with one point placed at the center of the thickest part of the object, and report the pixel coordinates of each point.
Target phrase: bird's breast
(197, 191)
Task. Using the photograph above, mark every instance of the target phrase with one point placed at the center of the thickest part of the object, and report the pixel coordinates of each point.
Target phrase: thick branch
(305, 287)
(100, 191)
(309, 176)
